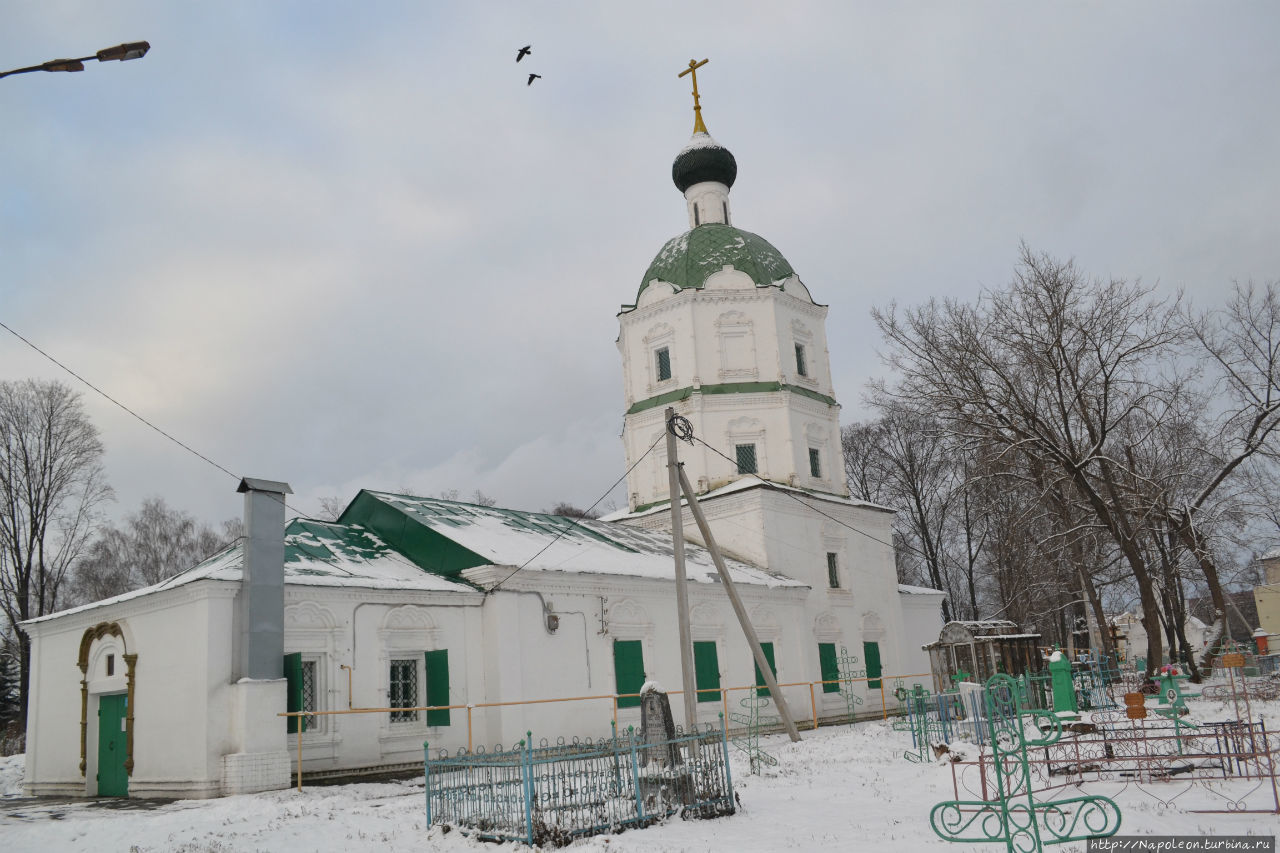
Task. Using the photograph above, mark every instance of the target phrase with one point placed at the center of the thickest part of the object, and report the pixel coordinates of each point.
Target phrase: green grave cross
(1014, 817)
(847, 667)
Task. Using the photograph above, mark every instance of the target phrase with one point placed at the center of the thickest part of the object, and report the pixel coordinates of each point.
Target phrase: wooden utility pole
(682, 592)
(762, 663)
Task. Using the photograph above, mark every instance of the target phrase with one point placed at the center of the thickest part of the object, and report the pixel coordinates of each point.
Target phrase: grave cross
(1014, 816)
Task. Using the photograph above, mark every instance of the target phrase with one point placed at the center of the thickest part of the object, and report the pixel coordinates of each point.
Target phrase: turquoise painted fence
(551, 794)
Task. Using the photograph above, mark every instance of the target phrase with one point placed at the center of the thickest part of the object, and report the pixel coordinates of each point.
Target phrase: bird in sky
(533, 77)
(524, 51)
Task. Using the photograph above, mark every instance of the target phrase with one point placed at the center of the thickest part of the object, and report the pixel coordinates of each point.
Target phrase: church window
(725, 205)
(815, 463)
(696, 219)
(706, 668)
(746, 458)
(829, 667)
(761, 689)
(833, 570)
(403, 690)
(628, 672)
(111, 665)
(801, 367)
(664, 364)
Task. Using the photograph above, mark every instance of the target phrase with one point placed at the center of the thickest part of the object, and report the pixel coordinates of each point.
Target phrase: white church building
(427, 620)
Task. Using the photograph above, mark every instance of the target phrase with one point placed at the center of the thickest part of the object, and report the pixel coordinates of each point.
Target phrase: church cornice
(728, 388)
(691, 296)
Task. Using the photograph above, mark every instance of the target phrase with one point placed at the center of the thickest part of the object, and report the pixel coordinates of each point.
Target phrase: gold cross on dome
(694, 65)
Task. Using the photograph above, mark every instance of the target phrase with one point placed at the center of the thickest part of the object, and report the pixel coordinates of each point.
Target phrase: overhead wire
(780, 490)
(107, 396)
(575, 522)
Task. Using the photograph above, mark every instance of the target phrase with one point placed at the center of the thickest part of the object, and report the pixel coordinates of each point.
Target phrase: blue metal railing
(550, 794)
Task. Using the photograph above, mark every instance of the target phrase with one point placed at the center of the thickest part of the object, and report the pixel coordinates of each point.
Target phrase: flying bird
(524, 51)
(533, 77)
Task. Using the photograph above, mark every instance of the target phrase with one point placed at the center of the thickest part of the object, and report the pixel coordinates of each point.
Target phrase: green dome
(687, 260)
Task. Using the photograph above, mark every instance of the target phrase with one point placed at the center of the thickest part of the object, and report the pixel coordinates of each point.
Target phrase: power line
(793, 496)
(184, 446)
(575, 523)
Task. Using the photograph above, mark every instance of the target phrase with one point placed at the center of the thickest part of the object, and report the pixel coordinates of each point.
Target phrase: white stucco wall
(730, 332)
(170, 633)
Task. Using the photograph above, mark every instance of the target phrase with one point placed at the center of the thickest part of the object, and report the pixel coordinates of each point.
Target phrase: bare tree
(331, 507)
(568, 510)
(51, 489)
(155, 543)
(1049, 371)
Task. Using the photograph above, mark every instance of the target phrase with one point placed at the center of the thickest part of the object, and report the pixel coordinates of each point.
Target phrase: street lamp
(131, 50)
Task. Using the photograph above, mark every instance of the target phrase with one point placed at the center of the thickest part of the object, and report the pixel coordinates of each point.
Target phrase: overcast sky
(345, 246)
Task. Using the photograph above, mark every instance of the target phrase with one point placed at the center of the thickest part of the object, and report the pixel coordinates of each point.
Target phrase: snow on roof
(701, 140)
(906, 589)
(316, 553)
(553, 543)
(742, 484)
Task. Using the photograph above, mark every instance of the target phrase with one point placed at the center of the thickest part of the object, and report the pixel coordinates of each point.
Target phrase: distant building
(1266, 598)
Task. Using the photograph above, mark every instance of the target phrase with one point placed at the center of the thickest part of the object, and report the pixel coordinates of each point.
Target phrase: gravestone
(657, 728)
(664, 779)
(1064, 688)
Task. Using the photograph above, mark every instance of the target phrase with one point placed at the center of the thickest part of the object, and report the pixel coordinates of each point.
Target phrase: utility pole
(762, 663)
(682, 591)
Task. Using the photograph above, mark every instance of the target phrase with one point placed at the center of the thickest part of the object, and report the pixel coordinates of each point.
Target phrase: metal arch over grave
(1014, 817)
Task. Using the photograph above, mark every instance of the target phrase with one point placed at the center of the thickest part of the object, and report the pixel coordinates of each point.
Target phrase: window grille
(664, 364)
(815, 464)
(309, 694)
(746, 458)
(801, 366)
(403, 692)
(833, 571)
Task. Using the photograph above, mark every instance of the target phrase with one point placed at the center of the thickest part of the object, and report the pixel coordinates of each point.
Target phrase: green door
(113, 781)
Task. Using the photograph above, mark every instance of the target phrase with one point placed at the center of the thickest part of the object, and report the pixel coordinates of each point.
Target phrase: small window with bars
(403, 690)
(309, 694)
(815, 463)
(746, 458)
(802, 367)
(664, 364)
(833, 570)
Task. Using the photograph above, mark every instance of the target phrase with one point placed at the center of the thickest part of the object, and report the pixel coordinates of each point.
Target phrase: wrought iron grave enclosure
(551, 794)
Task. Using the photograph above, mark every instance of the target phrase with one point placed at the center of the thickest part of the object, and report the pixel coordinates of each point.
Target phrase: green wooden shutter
(628, 671)
(706, 668)
(871, 651)
(438, 686)
(293, 701)
(830, 670)
(767, 648)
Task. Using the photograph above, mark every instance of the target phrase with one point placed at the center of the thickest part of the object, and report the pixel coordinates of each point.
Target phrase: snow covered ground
(841, 788)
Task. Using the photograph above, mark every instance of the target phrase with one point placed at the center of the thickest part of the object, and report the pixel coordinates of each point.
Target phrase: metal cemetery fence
(550, 794)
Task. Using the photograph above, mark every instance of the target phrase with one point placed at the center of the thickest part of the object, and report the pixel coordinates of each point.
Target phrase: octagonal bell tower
(723, 330)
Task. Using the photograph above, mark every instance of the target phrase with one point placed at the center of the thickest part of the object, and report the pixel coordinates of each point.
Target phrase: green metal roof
(686, 261)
